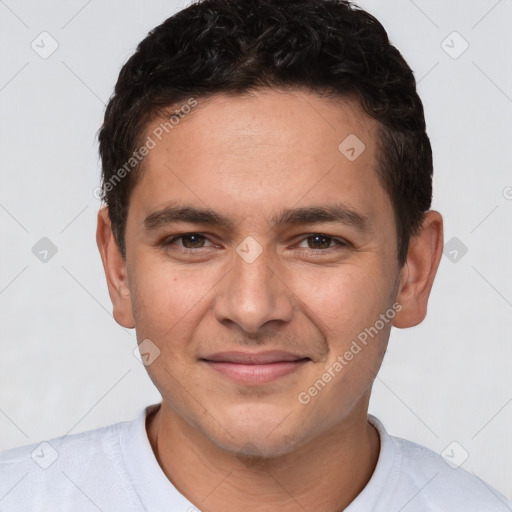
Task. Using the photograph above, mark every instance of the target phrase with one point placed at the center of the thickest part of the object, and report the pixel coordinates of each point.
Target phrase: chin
(258, 433)
(257, 447)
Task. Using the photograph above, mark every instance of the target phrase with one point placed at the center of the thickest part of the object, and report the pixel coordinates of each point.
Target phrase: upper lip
(271, 356)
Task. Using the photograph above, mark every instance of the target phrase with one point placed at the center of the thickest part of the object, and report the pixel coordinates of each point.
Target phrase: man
(267, 179)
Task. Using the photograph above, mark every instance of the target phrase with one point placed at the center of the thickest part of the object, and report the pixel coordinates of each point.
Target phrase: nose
(254, 294)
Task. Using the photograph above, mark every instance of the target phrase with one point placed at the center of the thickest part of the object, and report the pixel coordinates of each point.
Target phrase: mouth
(255, 368)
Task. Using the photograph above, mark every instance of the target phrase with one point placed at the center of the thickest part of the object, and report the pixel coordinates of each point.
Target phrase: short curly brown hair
(330, 47)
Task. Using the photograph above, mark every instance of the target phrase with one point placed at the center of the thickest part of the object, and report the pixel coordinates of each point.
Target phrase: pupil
(191, 237)
(320, 237)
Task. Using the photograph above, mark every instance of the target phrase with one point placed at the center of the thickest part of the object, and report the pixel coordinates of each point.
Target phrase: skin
(228, 446)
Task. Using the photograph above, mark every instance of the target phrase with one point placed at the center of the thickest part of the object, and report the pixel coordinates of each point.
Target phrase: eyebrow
(335, 213)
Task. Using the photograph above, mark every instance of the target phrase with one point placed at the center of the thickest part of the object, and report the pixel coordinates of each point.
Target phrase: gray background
(66, 366)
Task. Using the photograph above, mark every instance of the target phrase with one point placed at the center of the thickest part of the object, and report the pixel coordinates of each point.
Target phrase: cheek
(167, 299)
(345, 300)
(348, 306)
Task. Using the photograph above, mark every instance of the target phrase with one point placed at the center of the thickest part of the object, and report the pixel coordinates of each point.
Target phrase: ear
(419, 270)
(115, 271)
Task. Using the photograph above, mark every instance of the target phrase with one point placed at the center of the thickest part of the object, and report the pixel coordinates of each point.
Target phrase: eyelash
(340, 242)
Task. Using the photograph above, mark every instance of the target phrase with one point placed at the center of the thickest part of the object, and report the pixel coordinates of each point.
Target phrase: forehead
(250, 155)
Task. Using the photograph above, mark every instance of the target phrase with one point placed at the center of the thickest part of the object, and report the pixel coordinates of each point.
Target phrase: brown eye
(193, 241)
(319, 241)
(189, 241)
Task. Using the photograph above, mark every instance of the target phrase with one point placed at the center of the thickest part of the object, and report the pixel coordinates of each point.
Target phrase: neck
(325, 474)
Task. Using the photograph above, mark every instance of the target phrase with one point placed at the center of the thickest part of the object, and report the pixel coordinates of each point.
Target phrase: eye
(194, 242)
(319, 241)
(189, 241)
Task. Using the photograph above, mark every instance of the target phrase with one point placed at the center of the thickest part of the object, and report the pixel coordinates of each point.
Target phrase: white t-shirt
(114, 468)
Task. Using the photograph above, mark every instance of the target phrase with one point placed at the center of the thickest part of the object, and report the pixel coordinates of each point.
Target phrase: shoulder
(79, 466)
(444, 485)
(60, 451)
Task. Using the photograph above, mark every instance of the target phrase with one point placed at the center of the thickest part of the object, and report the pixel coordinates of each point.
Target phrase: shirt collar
(154, 489)
(156, 492)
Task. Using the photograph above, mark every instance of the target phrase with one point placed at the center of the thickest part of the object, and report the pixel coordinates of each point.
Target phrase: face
(259, 254)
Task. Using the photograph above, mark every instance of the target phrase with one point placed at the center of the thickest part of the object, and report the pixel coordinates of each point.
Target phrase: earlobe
(115, 271)
(418, 273)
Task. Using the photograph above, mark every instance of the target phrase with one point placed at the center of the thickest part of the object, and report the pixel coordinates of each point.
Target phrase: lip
(255, 367)
(269, 356)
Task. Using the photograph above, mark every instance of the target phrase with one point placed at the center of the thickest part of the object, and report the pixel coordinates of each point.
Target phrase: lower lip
(256, 373)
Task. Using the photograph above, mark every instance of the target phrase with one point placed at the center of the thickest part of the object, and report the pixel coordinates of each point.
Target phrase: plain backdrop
(66, 366)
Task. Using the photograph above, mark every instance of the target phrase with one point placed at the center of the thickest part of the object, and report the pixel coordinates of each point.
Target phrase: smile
(253, 369)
